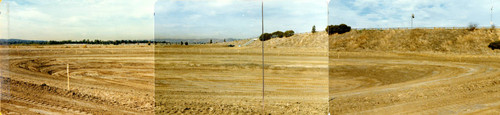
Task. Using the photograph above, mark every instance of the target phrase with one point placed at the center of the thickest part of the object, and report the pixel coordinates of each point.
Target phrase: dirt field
(445, 76)
(103, 80)
(214, 79)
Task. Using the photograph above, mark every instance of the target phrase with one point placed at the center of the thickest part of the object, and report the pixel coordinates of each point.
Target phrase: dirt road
(413, 83)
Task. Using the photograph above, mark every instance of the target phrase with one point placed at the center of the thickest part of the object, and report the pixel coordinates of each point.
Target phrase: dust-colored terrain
(215, 79)
(103, 79)
(422, 71)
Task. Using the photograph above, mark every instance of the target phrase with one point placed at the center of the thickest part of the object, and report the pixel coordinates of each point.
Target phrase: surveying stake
(67, 73)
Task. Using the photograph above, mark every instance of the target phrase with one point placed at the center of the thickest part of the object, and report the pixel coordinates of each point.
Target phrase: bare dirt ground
(414, 83)
(212, 79)
(103, 80)
(414, 71)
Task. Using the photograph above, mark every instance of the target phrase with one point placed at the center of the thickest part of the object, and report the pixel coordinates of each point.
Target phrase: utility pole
(412, 17)
(263, 104)
(328, 16)
(8, 20)
(491, 14)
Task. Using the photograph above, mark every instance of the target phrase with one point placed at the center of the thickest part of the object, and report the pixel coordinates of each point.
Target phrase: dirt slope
(416, 40)
(301, 40)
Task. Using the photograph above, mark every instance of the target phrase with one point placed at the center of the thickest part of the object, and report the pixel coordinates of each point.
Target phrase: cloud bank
(81, 19)
(197, 19)
(397, 13)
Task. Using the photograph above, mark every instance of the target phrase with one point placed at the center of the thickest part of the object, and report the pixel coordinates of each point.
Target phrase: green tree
(313, 29)
(289, 33)
(340, 29)
(265, 37)
(279, 34)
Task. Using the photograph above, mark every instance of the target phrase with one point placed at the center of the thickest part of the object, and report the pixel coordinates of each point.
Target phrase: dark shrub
(313, 29)
(230, 45)
(289, 33)
(265, 37)
(340, 29)
(494, 45)
(186, 43)
(277, 34)
(472, 27)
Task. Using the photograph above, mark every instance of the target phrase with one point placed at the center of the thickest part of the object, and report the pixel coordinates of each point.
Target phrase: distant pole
(327, 16)
(262, 13)
(491, 13)
(8, 20)
(67, 74)
(412, 17)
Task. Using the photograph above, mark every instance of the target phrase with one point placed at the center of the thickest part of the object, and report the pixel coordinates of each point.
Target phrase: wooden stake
(67, 73)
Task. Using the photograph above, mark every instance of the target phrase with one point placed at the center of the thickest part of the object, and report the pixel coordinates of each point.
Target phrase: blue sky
(199, 19)
(79, 19)
(428, 13)
(195, 19)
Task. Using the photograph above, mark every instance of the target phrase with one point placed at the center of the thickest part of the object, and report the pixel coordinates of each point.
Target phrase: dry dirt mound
(415, 40)
(315, 40)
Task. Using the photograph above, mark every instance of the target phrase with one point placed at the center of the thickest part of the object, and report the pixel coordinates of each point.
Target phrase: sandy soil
(414, 83)
(224, 80)
(114, 80)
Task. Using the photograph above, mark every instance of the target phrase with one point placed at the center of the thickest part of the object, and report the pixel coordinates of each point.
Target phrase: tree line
(84, 41)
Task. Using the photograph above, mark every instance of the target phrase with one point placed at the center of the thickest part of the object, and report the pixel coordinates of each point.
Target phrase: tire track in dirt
(47, 98)
(123, 92)
(469, 87)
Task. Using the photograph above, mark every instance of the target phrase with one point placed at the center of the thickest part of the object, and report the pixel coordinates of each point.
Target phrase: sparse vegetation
(472, 27)
(492, 28)
(417, 40)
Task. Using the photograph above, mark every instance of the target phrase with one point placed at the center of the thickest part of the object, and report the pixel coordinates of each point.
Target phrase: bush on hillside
(313, 29)
(472, 27)
(340, 29)
(289, 33)
(265, 37)
(494, 45)
(279, 34)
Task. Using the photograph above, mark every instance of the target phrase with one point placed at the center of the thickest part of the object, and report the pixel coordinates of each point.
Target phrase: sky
(428, 13)
(79, 19)
(201, 19)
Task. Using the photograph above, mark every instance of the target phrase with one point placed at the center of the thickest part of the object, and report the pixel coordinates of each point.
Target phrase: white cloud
(236, 18)
(397, 13)
(70, 19)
